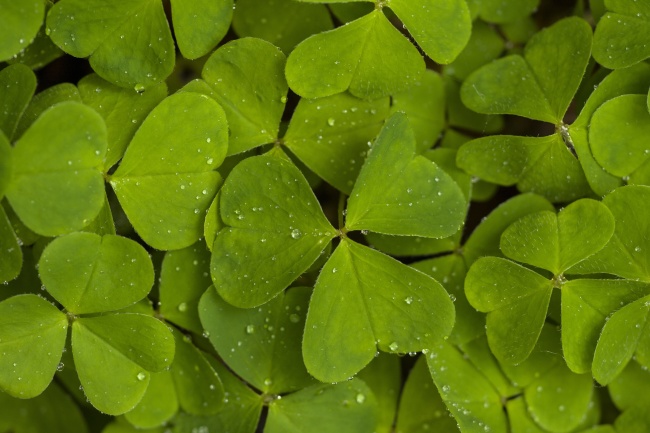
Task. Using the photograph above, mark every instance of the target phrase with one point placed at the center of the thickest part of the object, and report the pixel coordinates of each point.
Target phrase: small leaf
(184, 277)
(331, 135)
(624, 336)
(129, 42)
(247, 78)
(17, 86)
(261, 345)
(401, 193)
(12, 255)
(275, 231)
(158, 405)
(351, 408)
(200, 25)
(542, 83)
(364, 300)
(198, 386)
(166, 181)
(114, 356)
(624, 255)
(284, 23)
(346, 58)
(507, 11)
(123, 110)
(516, 300)
(616, 134)
(633, 420)
(556, 243)
(629, 387)
(586, 304)
(621, 38)
(57, 186)
(19, 24)
(442, 31)
(88, 273)
(213, 222)
(469, 396)
(383, 377)
(484, 46)
(32, 335)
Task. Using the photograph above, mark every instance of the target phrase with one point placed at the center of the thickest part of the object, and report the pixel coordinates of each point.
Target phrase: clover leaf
(200, 25)
(17, 86)
(272, 234)
(246, 78)
(506, 11)
(12, 254)
(349, 318)
(619, 37)
(165, 181)
(158, 404)
(88, 273)
(19, 24)
(32, 335)
(57, 185)
(345, 58)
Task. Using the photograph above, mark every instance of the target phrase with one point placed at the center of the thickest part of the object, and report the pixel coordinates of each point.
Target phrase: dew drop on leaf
(141, 376)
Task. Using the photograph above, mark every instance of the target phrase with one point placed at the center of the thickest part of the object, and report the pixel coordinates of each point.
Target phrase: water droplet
(393, 346)
(182, 307)
(139, 88)
(283, 99)
(60, 366)
(294, 318)
(141, 376)
(250, 329)
(360, 398)
(409, 300)
(268, 382)
(296, 234)
(331, 121)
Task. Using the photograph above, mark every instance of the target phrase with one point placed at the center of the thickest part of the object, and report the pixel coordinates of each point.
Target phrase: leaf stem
(341, 210)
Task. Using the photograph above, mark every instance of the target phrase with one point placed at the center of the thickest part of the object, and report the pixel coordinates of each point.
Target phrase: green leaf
(383, 377)
(129, 42)
(103, 224)
(516, 300)
(542, 83)
(451, 270)
(12, 255)
(629, 387)
(484, 240)
(346, 58)
(470, 398)
(17, 86)
(200, 25)
(53, 411)
(485, 45)
(213, 222)
(478, 352)
(507, 11)
(32, 335)
(332, 135)
(240, 412)
(284, 23)
(556, 243)
(364, 300)
(407, 246)
(634, 420)
(424, 104)
(261, 345)
(114, 355)
(123, 110)
(616, 134)
(624, 336)
(247, 78)
(198, 386)
(459, 116)
(391, 195)
(158, 404)
(273, 234)
(421, 409)
(350, 406)
(624, 255)
(520, 419)
(621, 38)
(165, 190)
(442, 31)
(19, 24)
(543, 165)
(346, 12)
(44, 100)
(586, 304)
(88, 273)
(6, 164)
(184, 277)
(57, 185)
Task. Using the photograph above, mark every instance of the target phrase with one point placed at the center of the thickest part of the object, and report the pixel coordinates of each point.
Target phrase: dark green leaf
(383, 377)
(12, 255)
(44, 100)
(633, 420)
(484, 46)
(629, 387)
(506, 11)
(17, 86)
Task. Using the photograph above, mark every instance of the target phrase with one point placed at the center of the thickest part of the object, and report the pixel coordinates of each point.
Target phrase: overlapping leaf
(129, 42)
(19, 24)
(88, 273)
(57, 184)
(199, 25)
(165, 181)
(17, 86)
(42, 101)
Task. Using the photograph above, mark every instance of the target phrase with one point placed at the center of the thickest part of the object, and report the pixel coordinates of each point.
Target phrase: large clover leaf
(165, 181)
(19, 24)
